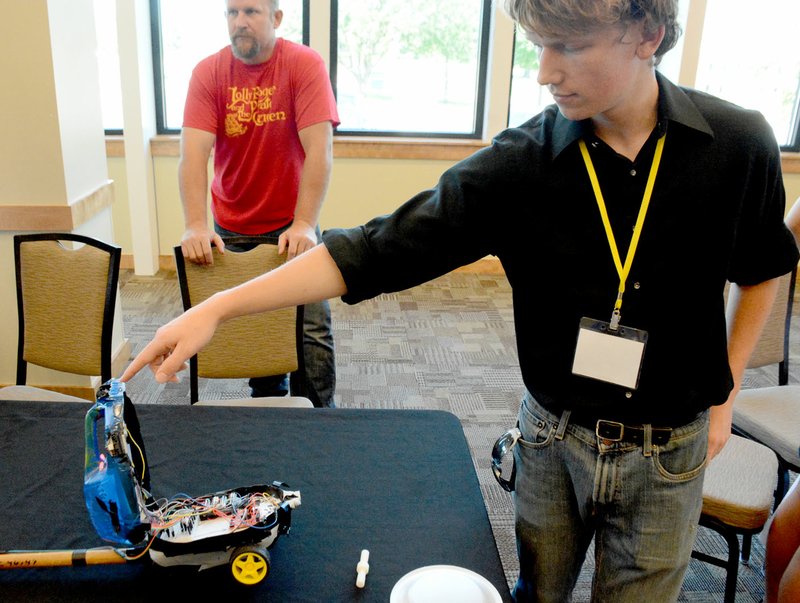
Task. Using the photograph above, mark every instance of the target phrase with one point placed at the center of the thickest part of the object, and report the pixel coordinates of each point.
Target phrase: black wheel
(249, 564)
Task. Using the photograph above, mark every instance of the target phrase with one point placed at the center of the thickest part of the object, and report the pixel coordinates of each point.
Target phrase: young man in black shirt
(618, 215)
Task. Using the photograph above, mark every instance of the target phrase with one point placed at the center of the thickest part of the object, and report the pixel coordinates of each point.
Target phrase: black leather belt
(613, 431)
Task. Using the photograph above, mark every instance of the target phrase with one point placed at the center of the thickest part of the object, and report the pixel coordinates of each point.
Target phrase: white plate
(444, 584)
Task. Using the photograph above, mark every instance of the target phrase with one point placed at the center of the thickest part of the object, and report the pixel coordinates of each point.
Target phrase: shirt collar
(673, 106)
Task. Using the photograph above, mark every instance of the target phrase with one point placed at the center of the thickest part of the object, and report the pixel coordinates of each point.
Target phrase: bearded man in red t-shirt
(266, 107)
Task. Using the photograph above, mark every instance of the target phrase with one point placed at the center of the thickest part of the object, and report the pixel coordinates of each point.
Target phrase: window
(419, 68)
(105, 19)
(410, 67)
(187, 31)
(527, 97)
(749, 56)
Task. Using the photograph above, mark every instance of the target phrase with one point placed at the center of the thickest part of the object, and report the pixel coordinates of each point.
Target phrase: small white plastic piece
(363, 569)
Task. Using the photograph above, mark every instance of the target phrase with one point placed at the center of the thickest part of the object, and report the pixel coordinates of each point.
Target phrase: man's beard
(245, 47)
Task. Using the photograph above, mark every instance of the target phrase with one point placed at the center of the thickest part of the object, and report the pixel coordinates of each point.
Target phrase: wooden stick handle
(79, 557)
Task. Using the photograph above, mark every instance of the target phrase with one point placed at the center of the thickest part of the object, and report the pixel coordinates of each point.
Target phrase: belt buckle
(613, 424)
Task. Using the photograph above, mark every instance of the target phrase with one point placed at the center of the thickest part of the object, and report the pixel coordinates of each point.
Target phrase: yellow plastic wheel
(249, 565)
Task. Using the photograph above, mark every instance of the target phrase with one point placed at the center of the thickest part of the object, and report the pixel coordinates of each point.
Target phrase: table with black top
(399, 483)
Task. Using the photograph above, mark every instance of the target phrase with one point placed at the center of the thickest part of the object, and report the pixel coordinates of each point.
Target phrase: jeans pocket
(683, 459)
(537, 431)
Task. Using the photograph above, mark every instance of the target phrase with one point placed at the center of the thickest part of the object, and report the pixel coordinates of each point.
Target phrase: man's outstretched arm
(308, 278)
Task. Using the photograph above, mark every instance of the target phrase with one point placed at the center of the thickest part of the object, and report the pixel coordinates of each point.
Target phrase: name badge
(614, 356)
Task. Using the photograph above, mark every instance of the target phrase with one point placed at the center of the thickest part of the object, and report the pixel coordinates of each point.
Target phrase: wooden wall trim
(790, 163)
(35, 217)
(57, 217)
(115, 146)
(353, 147)
(405, 148)
(165, 146)
(165, 262)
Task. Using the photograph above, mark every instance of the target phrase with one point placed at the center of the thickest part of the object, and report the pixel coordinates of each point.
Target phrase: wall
(52, 151)
(360, 189)
(792, 183)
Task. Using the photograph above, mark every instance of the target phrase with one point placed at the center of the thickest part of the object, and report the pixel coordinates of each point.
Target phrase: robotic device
(234, 527)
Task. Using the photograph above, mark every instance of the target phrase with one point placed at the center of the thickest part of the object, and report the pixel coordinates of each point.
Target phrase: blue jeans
(318, 350)
(641, 504)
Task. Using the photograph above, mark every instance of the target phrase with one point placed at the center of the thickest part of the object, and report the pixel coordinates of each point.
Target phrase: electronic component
(234, 526)
(113, 494)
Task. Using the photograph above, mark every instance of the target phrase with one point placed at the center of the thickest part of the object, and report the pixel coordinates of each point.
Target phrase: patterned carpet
(446, 345)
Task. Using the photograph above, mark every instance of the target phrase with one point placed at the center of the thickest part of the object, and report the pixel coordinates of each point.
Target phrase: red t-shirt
(256, 111)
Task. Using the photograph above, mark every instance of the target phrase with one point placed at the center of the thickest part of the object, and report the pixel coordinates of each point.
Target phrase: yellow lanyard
(623, 271)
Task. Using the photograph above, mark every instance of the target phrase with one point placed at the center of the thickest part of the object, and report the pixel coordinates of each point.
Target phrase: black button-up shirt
(716, 214)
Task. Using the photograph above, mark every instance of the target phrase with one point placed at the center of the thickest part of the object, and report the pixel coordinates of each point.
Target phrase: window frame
(514, 39)
(158, 63)
(479, 123)
(794, 144)
(481, 103)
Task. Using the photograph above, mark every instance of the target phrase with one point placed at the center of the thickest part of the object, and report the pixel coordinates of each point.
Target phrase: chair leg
(297, 384)
(731, 564)
(22, 370)
(732, 575)
(747, 542)
(194, 381)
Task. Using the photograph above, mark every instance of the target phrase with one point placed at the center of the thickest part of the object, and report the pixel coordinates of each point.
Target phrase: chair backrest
(259, 345)
(66, 300)
(773, 346)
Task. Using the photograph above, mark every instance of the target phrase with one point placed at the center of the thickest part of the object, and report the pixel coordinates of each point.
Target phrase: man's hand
(719, 431)
(196, 245)
(310, 278)
(297, 239)
(175, 343)
(747, 310)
